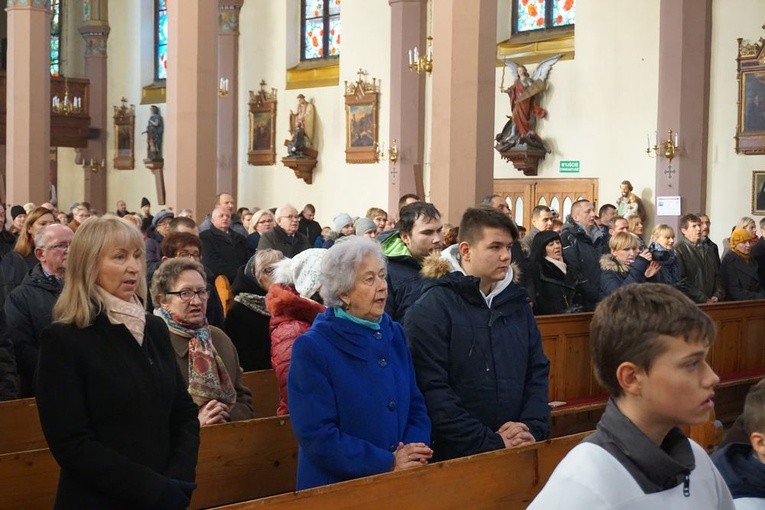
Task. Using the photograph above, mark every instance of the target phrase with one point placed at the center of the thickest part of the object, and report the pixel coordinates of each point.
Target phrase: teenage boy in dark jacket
(475, 344)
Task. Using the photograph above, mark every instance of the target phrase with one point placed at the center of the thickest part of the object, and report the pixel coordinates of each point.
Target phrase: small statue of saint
(154, 131)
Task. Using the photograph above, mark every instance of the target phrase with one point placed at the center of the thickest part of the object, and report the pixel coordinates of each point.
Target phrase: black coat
(117, 415)
(247, 325)
(223, 253)
(477, 366)
(28, 311)
(277, 239)
(698, 271)
(404, 285)
(309, 228)
(739, 278)
(555, 291)
(758, 254)
(582, 259)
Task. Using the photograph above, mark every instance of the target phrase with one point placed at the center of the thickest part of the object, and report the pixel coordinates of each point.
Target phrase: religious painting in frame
(124, 136)
(750, 130)
(262, 111)
(361, 120)
(758, 193)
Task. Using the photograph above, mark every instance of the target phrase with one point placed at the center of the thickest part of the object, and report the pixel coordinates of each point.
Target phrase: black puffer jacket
(478, 366)
(28, 311)
(582, 259)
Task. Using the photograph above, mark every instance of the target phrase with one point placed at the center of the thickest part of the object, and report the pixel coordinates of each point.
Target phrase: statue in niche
(298, 143)
(303, 118)
(524, 106)
(154, 131)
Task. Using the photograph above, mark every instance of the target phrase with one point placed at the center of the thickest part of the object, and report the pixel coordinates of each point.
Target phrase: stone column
(228, 113)
(464, 57)
(407, 101)
(685, 39)
(192, 104)
(95, 33)
(28, 101)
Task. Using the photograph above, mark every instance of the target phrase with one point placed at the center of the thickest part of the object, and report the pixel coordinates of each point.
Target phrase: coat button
(382, 362)
(378, 335)
(392, 447)
(392, 405)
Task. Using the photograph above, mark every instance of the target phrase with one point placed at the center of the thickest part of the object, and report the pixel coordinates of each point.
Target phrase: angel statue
(524, 94)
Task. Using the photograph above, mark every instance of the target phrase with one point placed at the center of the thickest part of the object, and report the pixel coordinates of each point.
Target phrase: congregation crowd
(397, 340)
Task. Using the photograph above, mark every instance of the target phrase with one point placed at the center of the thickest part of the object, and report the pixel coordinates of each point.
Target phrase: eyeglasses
(195, 256)
(63, 245)
(269, 270)
(188, 294)
(292, 217)
(269, 220)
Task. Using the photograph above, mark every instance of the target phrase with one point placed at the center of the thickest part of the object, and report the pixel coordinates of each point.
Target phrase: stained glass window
(530, 15)
(160, 40)
(55, 38)
(320, 29)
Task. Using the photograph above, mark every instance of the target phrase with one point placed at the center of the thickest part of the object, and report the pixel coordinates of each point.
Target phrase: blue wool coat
(353, 398)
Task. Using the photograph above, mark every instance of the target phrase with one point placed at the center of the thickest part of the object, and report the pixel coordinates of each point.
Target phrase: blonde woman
(262, 221)
(626, 264)
(112, 403)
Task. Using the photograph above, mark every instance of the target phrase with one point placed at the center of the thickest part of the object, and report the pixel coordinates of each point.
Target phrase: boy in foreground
(648, 345)
(742, 465)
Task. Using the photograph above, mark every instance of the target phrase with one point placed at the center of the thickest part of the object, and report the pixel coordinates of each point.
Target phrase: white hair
(339, 266)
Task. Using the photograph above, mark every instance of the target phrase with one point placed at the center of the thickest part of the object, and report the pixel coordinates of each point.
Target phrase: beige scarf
(130, 313)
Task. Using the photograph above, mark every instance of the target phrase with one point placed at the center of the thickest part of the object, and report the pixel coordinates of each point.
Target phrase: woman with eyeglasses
(112, 404)
(262, 221)
(626, 264)
(208, 359)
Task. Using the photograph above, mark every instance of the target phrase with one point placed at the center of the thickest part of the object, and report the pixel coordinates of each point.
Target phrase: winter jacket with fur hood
(478, 359)
(291, 316)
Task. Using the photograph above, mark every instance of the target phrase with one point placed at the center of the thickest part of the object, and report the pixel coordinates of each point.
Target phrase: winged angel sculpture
(524, 96)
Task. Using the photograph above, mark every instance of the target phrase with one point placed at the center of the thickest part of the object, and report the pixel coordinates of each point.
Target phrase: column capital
(392, 2)
(95, 36)
(28, 4)
(228, 16)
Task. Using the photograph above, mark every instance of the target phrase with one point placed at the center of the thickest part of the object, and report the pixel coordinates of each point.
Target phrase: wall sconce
(391, 154)
(422, 63)
(95, 166)
(66, 106)
(667, 149)
(223, 87)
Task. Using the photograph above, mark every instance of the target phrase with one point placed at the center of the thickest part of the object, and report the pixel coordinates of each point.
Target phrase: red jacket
(291, 316)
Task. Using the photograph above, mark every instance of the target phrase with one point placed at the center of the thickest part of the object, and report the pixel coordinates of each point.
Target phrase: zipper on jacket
(687, 486)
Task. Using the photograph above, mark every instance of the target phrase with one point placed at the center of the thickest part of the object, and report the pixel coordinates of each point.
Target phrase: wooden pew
(737, 355)
(502, 479)
(237, 461)
(20, 426)
(265, 392)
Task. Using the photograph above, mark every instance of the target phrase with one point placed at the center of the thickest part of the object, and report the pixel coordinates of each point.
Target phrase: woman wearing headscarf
(294, 303)
(206, 356)
(112, 403)
(738, 270)
(354, 402)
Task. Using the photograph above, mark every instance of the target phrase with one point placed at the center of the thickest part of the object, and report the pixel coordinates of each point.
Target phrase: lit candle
(220, 84)
(410, 57)
(676, 136)
(416, 54)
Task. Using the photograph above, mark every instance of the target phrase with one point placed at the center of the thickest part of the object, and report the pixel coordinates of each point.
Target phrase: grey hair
(281, 210)
(339, 266)
(168, 272)
(47, 231)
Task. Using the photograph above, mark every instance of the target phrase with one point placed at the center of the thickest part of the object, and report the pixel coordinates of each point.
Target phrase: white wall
(729, 175)
(601, 104)
(337, 186)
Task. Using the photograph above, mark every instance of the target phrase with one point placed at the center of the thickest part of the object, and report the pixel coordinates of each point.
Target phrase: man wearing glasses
(285, 236)
(29, 306)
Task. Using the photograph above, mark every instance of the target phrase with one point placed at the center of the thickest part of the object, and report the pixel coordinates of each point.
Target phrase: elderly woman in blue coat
(354, 402)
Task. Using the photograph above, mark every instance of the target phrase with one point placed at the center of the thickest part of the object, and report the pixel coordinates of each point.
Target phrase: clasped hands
(411, 455)
(515, 433)
(213, 412)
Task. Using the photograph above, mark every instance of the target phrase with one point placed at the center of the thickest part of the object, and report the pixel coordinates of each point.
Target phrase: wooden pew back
(265, 392)
(502, 479)
(237, 461)
(20, 426)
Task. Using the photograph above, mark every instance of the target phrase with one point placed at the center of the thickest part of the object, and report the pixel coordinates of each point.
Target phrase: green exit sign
(569, 167)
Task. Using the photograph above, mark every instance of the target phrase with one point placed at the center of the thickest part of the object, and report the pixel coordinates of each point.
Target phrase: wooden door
(522, 195)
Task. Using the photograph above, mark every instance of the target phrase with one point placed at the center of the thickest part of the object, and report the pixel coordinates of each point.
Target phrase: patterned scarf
(254, 302)
(208, 377)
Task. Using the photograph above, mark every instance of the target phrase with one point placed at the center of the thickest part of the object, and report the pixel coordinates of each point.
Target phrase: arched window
(320, 29)
(533, 15)
(55, 38)
(160, 39)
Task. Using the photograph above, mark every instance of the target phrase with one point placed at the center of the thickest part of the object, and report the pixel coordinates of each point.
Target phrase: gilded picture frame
(750, 128)
(124, 136)
(362, 103)
(758, 193)
(261, 150)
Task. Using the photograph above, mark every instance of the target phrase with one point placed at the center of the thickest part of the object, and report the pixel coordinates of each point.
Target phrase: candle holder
(422, 63)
